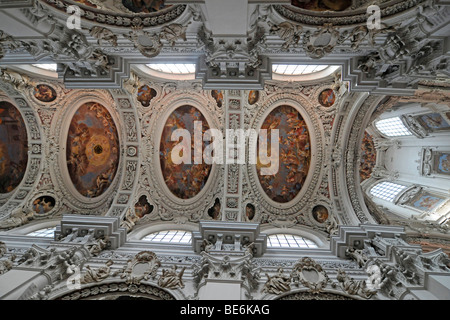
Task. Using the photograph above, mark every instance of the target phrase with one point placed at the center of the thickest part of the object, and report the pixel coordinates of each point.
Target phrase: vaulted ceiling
(95, 135)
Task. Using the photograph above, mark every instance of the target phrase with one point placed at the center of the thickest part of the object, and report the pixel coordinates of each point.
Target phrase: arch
(109, 291)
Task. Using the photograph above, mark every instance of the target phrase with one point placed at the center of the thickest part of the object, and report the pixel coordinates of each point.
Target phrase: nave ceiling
(97, 129)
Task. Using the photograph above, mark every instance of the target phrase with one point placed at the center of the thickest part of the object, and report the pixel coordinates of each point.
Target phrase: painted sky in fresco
(92, 150)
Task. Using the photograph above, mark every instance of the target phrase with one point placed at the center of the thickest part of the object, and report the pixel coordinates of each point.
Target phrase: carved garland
(123, 20)
(302, 16)
(141, 290)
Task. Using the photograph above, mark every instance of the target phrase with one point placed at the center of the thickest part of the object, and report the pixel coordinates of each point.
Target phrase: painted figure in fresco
(322, 5)
(142, 207)
(444, 163)
(327, 98)
(143, 6)
(145, 95)
(368, 157)
(13, 147)
(218, 96)
(44, 93)
(250, 211)
(434, 121)
(427, 202)
(183, 180)
(320, 214)
(43, 205)
(253, 97)
(214, 211)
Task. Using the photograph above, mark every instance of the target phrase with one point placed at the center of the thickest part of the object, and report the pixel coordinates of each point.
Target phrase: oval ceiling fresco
(92, 149)
(187, 178)
(13, 147)
(293, 156)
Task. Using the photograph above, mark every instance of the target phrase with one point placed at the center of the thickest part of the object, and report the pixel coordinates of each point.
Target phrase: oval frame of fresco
(313, 142)
(5, 98)
(64, 134)
(47, 193)
(156, 159)
(313, 218)
(336, 99)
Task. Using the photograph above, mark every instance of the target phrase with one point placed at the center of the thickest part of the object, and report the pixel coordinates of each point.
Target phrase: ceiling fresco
(368, 157)
(92, 150)
(294, 154)
(45, 93)
(144, 6)
(13, 147)
(322, 5)
(184, 180)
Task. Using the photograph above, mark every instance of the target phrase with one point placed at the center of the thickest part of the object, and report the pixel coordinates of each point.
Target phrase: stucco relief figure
(354, 287)
(96, 248)
(130, 220)
(18, 217)
(171, 279)
(97, 275)
(207, 246)
(278, 283)
(3, 249)
(356, 255)
(6, 265)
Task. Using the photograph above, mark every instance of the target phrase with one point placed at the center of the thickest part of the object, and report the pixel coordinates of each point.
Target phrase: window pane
(387, 190)
(47, 232)
(289, 241)
(173, 68)
(392, 127)
(297, 69)
(170, 236)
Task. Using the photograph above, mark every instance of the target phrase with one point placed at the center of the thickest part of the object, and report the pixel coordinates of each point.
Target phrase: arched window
(387, 190)
(392, 127)
(297, 69)
(173, 68)
(46, 232)
(170, 236)
(289, 241)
